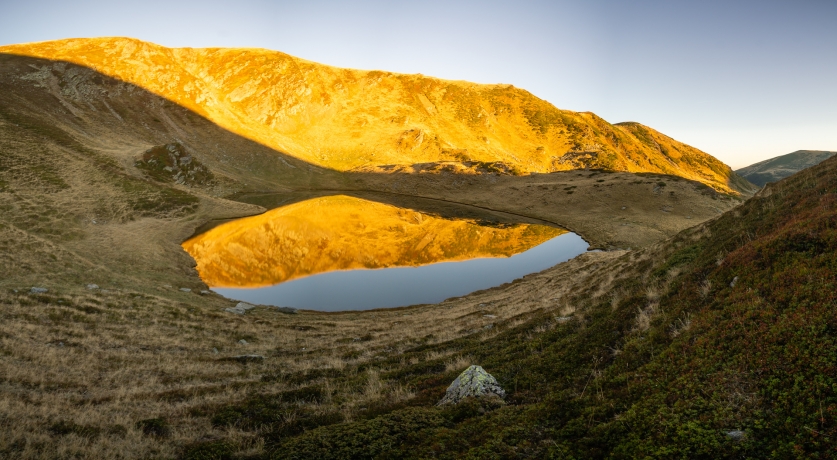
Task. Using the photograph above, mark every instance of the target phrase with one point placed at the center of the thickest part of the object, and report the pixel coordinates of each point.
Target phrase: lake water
(345, 253)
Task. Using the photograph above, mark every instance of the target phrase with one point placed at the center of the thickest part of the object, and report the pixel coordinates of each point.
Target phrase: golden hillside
(343, 233)
(347, 119)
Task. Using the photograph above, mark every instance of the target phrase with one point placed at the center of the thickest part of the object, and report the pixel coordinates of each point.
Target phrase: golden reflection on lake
(343, 233)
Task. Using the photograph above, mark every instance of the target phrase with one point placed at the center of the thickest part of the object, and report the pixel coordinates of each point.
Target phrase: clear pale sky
(742, 80)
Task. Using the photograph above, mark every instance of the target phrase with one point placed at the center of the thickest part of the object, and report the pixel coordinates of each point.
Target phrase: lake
(338, 252)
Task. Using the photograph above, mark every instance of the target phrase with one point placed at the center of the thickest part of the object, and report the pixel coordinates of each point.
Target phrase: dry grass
(80, 368)
(108, 360)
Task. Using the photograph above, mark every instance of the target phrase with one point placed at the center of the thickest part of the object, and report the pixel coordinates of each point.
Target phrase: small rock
(624, 208)
(167, 286)
(734, 282)
(243, 342)
(244, 359)
(92, 286)
(185, 290)
(489, 316)
(474, 382)
(240, 308)
(38, 290)
(488, 326)
(244, 306)
(214, 351)
(205, 292)
(563, 319)
(735, 434)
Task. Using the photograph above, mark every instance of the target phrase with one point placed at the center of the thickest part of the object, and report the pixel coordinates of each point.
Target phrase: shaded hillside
(717, 344)
(780, 167)
(345, 119)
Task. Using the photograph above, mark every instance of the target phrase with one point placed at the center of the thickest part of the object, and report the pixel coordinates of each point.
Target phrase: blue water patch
(366, 289)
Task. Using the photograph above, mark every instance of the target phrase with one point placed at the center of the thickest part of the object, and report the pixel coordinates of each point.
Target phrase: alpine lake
(371, 250)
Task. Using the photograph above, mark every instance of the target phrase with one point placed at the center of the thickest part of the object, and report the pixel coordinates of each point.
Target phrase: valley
(660, 344)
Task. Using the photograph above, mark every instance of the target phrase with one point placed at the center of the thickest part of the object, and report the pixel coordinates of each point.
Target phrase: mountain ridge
(346, 119)
(777, 168)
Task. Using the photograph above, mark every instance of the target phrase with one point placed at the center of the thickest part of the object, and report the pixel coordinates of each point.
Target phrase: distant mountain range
(354, 120)
(780, 167)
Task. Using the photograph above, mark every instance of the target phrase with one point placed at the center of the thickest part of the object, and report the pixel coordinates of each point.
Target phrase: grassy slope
(70, 139)
(345, 119)
(83, 203)
(780, 167)
(669, 362)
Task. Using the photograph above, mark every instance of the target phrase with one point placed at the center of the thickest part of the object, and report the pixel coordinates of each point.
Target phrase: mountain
(119, 351)
(345, 119)
(780, 167)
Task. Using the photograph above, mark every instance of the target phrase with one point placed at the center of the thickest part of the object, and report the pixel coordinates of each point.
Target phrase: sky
(742, 80)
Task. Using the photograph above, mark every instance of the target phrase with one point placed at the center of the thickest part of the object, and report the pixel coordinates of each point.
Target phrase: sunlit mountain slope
(348, 119)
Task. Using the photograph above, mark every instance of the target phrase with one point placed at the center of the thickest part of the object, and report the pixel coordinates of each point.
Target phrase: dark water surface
(364, 289)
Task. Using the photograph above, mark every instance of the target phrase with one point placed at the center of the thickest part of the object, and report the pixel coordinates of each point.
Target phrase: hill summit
(346, 119)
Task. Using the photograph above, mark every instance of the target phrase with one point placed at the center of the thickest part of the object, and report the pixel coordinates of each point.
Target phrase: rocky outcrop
(473, 382)
(172, 163)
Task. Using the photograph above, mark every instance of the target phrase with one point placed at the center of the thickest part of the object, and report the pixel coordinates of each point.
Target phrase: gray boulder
(474, 382)
(240, 308)
(38, 290)
(92, 286)
(737, 435)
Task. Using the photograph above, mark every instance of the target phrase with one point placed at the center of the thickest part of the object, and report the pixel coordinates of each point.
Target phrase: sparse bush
(157, 427)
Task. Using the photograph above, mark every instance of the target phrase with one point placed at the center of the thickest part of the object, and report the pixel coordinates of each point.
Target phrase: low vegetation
(713, 344)
(712, 337)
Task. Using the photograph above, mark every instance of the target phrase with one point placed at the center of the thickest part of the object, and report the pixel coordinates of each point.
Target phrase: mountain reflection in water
(320, 254)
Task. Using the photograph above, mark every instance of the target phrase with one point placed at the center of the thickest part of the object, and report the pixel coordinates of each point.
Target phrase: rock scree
(475, 382)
